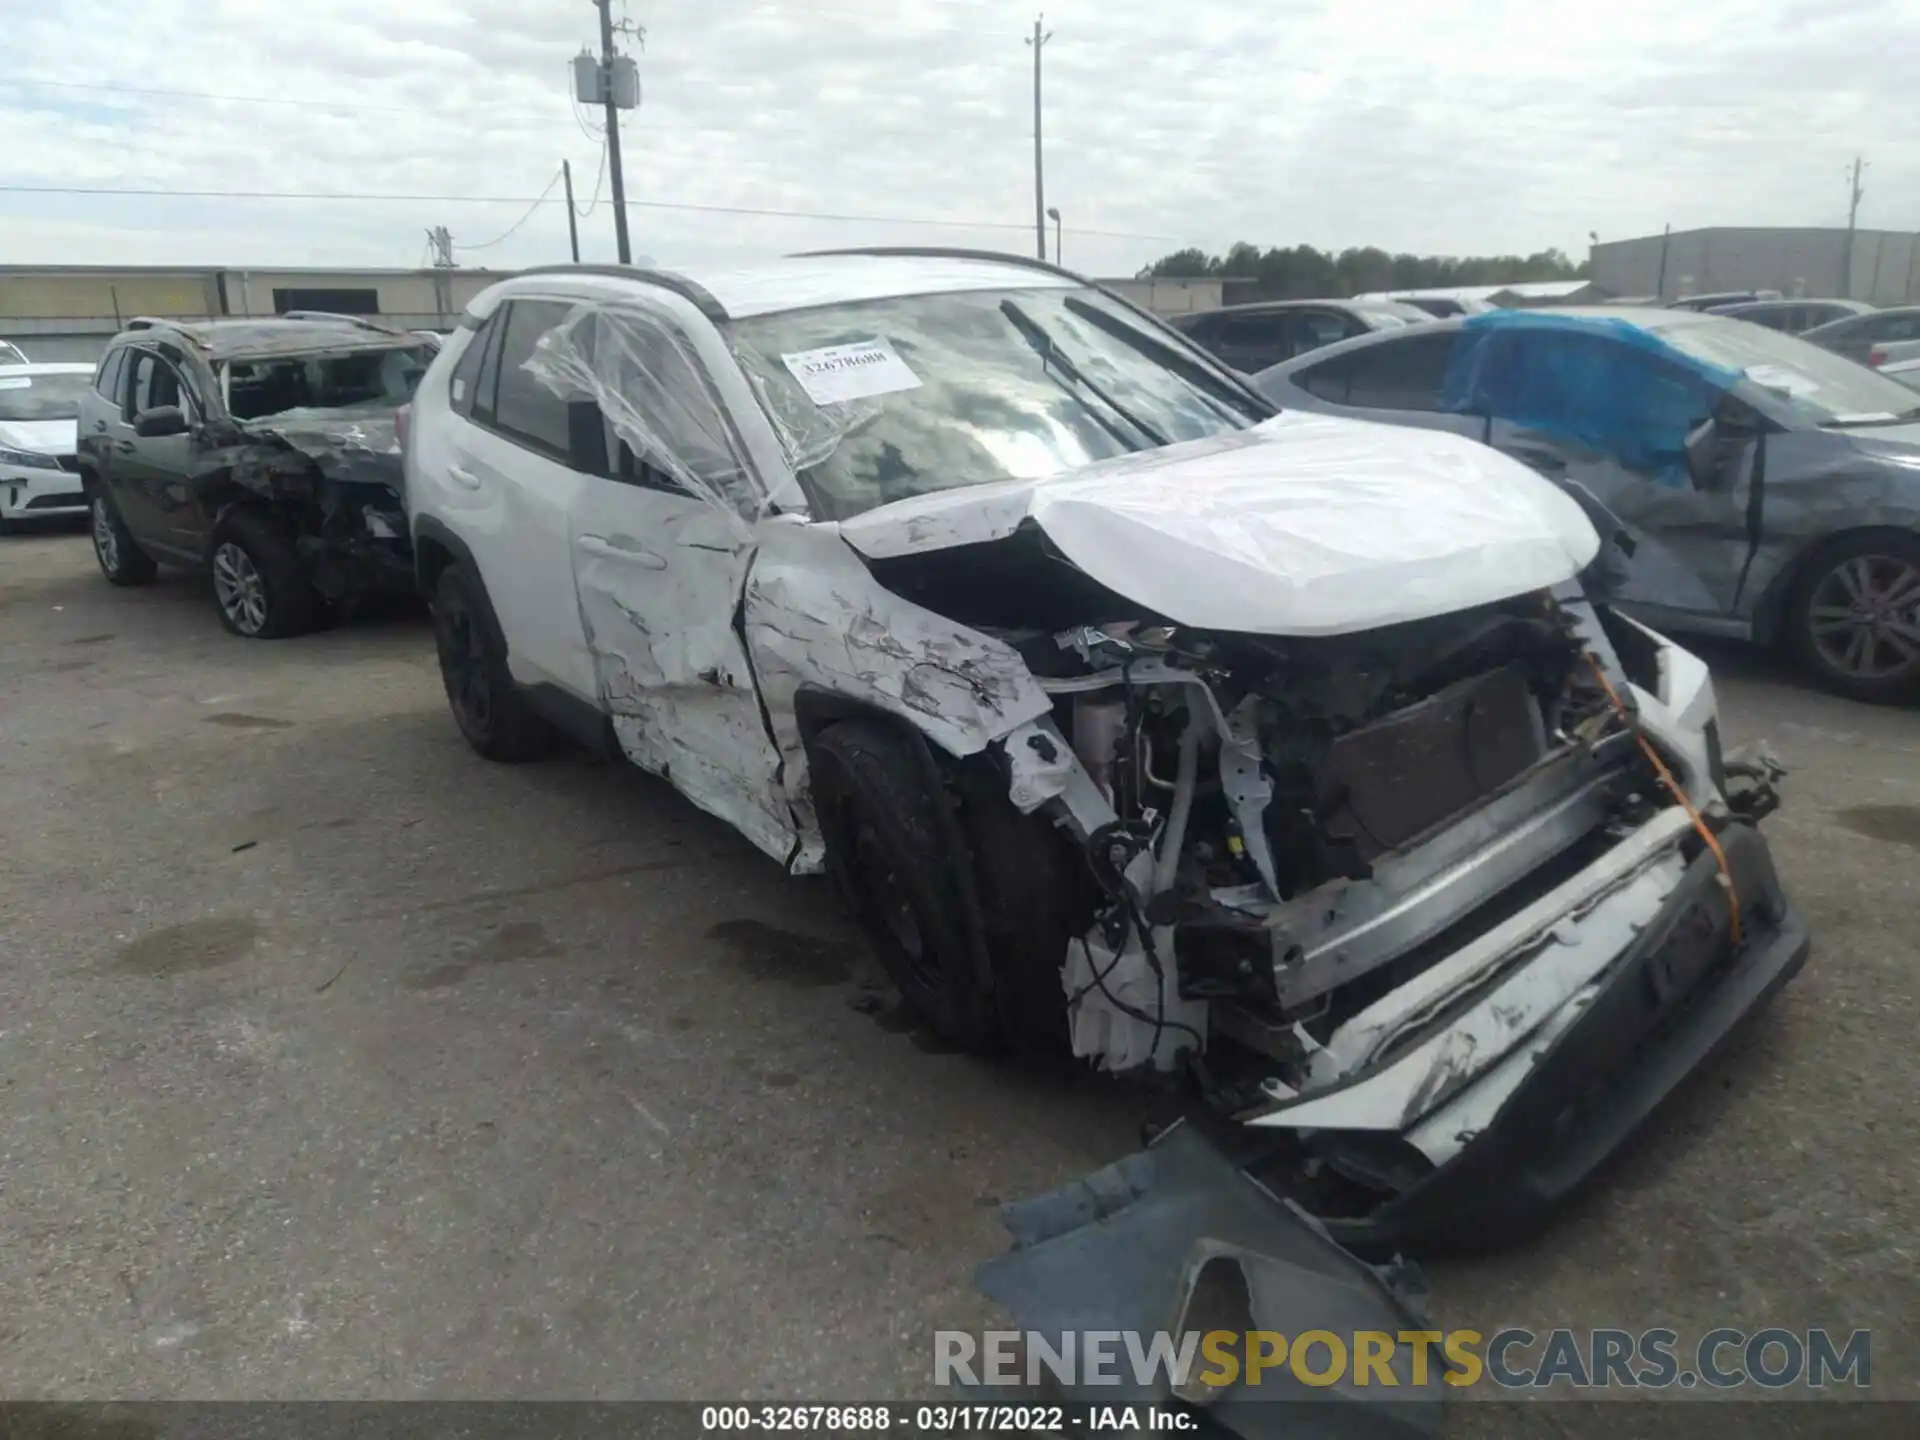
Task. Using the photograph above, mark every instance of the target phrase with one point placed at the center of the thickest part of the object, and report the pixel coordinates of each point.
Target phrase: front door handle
(464, 477)
(605, 550)
(125, 447)
(99, 425)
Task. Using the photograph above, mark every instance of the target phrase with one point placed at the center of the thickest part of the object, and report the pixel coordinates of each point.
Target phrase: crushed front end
(1448, 905)
(335, 476)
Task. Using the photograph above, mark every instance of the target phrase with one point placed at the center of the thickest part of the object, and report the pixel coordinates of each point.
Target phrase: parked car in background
(262, 451)
(1907, 372)
(1252, 337)
(1856, 337)
(1133, 719)
(1722, 297)
(1769, 489)
(39, 470)
(1792, 316)
(11, 354)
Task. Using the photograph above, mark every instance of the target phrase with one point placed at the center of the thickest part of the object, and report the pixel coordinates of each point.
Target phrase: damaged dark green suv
(263, 451)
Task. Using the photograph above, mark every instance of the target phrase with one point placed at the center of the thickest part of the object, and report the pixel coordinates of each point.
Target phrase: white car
(1133, 717)
(39, 412)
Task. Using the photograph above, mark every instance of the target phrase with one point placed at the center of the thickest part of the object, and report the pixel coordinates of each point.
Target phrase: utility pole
(1660, 286)
(607, 55)
(1038, 40)
(1854, 192)
(573, 220)
(440, 241)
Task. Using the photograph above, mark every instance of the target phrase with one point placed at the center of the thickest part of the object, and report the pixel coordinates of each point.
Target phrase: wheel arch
(435, 548)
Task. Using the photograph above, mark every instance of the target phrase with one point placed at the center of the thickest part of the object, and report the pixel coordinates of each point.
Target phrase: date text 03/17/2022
(944, 1419)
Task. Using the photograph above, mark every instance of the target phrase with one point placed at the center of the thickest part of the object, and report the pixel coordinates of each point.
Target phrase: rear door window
(1894, 327)
(524, 409)
(1405, 373)
(464, 386)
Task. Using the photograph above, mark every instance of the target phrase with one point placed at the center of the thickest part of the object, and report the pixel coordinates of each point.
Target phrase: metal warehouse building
(69, 312)
(1881, 267)
(60, 312)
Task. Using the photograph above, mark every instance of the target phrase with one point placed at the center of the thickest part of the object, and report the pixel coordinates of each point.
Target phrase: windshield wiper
(1050, 353)
(1170, 355)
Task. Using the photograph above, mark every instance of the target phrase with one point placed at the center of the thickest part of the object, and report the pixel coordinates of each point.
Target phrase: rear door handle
(464, 477)
(125, 447)
(605, 550)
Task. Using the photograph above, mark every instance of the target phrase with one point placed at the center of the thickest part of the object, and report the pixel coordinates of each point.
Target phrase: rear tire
(488, 707)
(1853, 621)
(260, 587)
(121, 560)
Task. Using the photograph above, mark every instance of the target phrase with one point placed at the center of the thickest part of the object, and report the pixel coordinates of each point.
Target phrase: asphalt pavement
(337, 1062)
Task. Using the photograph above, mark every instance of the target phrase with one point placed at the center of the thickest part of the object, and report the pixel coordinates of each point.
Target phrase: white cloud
(1459, 126)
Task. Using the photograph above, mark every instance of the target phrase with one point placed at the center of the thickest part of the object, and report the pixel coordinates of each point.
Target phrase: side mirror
(159, 422)
(1703, 454)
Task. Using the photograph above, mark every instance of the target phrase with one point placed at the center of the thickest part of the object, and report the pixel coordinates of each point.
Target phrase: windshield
(355, 379)
(886, 399)
(1816, 386)
(43, 396)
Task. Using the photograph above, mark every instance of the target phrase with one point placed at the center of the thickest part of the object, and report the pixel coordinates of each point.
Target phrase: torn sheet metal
(1178, 1238)
(813, 617)
(351, 445)
(1303, 525)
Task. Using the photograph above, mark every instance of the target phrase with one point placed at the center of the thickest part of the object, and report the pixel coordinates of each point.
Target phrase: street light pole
(1037, 40)
(1054, 215)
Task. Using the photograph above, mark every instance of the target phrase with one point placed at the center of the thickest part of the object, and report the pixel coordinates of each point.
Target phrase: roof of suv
(296, 334)
(835, 277)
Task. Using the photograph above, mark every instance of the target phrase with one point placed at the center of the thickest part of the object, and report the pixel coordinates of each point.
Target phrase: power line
(208, 95)
(489, 244)
(599, 179)
(536, 200)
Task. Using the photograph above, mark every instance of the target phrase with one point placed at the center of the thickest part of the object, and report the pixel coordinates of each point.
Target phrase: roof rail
(697, 295)
(949, 252)
(361, 322)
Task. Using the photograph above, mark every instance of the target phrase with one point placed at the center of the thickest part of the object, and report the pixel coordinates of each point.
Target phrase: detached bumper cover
(1668, 1001)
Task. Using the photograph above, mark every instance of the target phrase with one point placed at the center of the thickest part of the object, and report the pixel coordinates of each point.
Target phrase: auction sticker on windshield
(838, 373)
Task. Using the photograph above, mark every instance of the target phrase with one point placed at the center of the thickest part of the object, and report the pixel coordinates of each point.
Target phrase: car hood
(356, 444)
(1303, 525)
(48, 437)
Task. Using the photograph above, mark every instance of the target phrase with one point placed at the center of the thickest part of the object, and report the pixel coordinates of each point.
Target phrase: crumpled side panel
(815, 617)
(654, 391)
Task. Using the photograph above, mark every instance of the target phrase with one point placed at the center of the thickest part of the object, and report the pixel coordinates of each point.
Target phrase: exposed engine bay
(1259, 804)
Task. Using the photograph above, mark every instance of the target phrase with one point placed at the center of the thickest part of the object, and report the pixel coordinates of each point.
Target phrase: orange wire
(1673, 785)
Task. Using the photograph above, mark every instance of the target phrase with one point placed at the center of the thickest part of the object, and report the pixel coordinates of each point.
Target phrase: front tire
(1854, 619)
(487, 706)
(121, 560)
(260, 586)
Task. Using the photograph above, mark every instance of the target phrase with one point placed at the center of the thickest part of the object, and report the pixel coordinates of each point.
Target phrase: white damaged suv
(1134, 718)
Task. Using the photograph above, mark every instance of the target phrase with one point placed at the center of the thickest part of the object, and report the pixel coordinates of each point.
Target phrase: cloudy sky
(1450, 127)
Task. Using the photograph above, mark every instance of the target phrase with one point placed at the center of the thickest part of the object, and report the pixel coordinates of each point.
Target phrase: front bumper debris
(1662, 1008)
(1178, 1237)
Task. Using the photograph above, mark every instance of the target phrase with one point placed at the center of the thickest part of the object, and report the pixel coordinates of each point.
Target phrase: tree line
(1298, 271)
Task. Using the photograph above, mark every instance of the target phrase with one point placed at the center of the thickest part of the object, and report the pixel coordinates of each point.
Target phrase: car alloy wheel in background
(240, 590)
(106, 544)
(1862, 621)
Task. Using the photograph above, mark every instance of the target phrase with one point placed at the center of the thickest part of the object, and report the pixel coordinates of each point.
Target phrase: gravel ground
(337, 1062)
